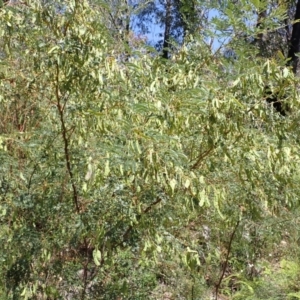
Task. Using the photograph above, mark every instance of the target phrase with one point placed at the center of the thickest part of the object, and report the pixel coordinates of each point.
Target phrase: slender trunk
(287, 29)
(127, 31)
(294, 47)
(167, 33)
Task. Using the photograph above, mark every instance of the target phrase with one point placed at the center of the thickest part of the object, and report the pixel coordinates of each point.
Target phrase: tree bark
(294, 47)
(127, 31)
(167, 33)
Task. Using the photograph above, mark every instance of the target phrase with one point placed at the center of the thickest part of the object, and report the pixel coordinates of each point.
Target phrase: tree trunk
(167, 33)
(127, 31)
(294, 47)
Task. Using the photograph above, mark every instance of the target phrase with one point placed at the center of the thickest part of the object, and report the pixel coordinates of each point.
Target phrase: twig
(201, 157)
(226, 259)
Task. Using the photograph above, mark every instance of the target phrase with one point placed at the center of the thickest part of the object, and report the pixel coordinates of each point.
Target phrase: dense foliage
(128, 175)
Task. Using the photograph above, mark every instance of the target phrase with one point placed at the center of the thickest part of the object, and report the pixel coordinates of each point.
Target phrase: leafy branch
(145, 211)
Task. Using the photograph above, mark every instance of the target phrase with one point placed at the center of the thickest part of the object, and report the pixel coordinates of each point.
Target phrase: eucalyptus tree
(176, 20)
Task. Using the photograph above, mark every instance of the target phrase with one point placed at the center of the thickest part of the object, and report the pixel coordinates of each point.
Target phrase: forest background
(139, 169)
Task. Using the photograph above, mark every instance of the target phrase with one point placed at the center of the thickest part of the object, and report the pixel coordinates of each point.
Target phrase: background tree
(177, 20)
(294, 47)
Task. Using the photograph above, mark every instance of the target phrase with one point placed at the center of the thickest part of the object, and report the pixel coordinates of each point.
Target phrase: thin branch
(201, 157)
(226, 259)
(146, 210)
(85, 269)
(31, 175)
(64, 130)
(207, 152)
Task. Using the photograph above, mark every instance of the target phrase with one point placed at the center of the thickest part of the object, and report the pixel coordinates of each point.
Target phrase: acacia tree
(116, 172)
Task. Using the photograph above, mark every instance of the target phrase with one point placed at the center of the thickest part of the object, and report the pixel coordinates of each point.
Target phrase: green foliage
(137, 177)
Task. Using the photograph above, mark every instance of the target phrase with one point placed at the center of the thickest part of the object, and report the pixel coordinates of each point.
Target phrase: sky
(155, 31)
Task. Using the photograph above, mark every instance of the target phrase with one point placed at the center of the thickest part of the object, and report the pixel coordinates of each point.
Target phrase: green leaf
(173, 183)
(107, 169)
(97, 257)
